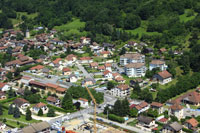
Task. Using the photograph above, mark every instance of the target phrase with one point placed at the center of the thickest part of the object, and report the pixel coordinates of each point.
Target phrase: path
(85, 73)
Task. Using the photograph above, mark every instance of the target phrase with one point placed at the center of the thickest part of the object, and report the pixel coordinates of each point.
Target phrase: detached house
(143, 106)
(108, 66)
(21, 103)
(73, 78)
(85, 60)
(163, 77)
(135, 69)
(108, 75)
(71, 58)
(105, 54)
(66, 71)
(157, 64)
(88, 82)
(83, 102)
(2, 95)
(192, 124)
(53, 101)
(145, 121)
(57, 62)
(176, 110)
(174, 127)
(37, 68)
(101, 68)
(121, 90)
(25, 80)
(39, 106)
(132, 58)
(157, 106)
(94, 65)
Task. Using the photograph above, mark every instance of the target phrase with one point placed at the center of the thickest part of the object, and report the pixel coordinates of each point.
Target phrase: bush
(116, 118)
(187, 130)
(60, 109)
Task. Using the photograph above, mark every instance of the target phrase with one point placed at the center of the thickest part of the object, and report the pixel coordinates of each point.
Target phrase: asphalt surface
(85, 73)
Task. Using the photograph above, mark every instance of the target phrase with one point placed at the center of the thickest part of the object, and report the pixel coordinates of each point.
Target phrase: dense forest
(109, 19)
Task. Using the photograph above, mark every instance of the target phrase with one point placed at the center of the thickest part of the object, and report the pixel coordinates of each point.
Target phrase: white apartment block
(135, 69)
(132, 58)
(122, 90)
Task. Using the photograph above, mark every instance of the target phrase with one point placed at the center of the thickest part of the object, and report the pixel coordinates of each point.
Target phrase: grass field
(173, 82)
(19, 14)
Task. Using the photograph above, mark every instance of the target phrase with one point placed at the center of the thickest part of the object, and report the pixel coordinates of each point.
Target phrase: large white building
(157, 64)
(135, 69)
(132, 58)
(121, 90)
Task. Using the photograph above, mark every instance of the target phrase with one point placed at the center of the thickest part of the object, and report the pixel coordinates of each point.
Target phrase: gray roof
(145, 119)
(36, 127)
(176, 126)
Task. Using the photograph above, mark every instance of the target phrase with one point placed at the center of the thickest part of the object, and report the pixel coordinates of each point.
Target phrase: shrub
(116, 118)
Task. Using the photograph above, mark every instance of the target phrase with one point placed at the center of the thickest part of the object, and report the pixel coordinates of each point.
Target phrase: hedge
(60, 109)
(116, 118)
(187, 130)
(8, 100)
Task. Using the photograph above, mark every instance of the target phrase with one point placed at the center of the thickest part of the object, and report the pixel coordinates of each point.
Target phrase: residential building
(37, 68)
(2, 95)
(101, 68)
(141, 107)
(73, 78)
(107, 75)
(83, 102)
(135, 70)
(25, 80)
(174, 127)
(53, 101)
(71, 58)
(145, 121)
(37, 84)
(66, 71)
(131, 58)
(108, 66)
(157, 64)
(41, 127)
(157, 106)
(105, 54)
(39, 106)
(88, 82)
(176, 110)
(21, 103)
(2, 126)
(60, 90)
(121, 90)
(192, 124)
(163, 77)
(87, 60)
(192, 98)
(94, 65)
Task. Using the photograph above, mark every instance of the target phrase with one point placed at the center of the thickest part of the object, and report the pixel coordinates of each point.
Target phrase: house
(163, 50)
(108, 66)
(83, 102)
(121, 90)
(105, 54)
(135, 70)
(85, 40)
(157, 64)
(94, 65)
(25, 80)
(86, 60)
(53, 101)
(37, 68)
(191, 98)
(108, 75)
(191, 123)
(51, 87)
(21, 103)
(120, 80)
(101, 68)
(39, 106)
(5, 87)
(141, 107)
(131, 58)
(2, 126)
(88, 82)
(176, 110)
(37, 84)
(73, 78)
(20, 92)
(163, 77)
(71, 58)
(66, 71)
(138, 81)
(146, 122)
(157, 106)
(2, 95)
(174, 127)
(60, 90)
(57, 62)
(41, 127)
(2, 74)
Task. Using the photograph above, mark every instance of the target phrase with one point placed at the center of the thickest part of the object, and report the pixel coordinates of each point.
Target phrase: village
(43, 82)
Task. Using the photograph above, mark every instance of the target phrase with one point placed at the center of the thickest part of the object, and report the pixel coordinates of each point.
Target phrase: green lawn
(75, 24)
(184, 18)
(173, 82)
(14, 124)
(132, 123)
(19, 14)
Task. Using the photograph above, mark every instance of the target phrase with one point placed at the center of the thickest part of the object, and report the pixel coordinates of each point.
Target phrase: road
(121, 125)
(85, 73)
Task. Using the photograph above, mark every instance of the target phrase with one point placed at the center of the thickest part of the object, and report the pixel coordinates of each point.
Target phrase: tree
(117, 108)
(51, 113)
(28, 114)
(110, 85)
(125, 107)
(67, 102)
(123, 51)
(106, 110)
(25, 48)
(11, 93)
(9, 75)
(133, 112)
(1, 110)
(132, 22)
(40, 112)
(10, 110)
(16, 113)
(152, 113)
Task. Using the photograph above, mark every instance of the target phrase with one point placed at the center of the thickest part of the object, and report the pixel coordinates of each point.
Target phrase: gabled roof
(66, 69)
(51, 99)
(135, 65)
(56, 61)
(156, 104)
(157, 62)
(145, 119)
(38, 67)
(50, 85)
(164, 74)
(176, 126)
(192, 122)
(123, 87)
(101, 67)
(36, 127)
(85, 58)
(93, 64)
(20, 101)
(108, 65)
(60, 89)
(141, 105)
(105, 52)
(83, 99)
(40, 105)
(2, 84)
(176, 107)
(106, 72)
